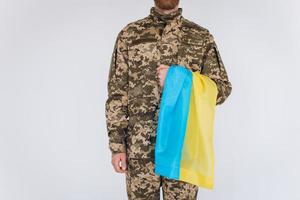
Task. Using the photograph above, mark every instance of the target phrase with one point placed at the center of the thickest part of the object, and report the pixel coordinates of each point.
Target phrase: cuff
(117, 147)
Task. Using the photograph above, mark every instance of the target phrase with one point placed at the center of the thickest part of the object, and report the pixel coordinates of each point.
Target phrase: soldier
(143, 51)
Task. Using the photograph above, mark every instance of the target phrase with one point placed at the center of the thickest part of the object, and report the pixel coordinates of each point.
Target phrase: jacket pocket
(191, 51)
(141, 139)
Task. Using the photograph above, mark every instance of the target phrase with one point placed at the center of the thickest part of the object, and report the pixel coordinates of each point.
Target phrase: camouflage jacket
(132, 106)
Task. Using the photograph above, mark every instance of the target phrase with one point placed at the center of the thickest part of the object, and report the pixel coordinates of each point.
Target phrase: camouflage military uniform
(134, 93)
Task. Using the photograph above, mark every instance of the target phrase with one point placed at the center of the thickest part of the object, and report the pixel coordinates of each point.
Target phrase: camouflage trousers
(143, 183)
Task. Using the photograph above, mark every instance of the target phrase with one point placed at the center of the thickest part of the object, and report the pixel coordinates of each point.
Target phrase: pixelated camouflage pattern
(134, 93)
(143, 183)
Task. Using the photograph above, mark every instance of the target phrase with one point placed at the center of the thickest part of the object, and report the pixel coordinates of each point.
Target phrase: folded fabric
(184, 143)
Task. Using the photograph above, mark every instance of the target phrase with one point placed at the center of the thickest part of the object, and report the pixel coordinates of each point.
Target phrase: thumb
(123, 163)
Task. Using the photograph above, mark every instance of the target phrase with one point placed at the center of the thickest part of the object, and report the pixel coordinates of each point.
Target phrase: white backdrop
(55, 58)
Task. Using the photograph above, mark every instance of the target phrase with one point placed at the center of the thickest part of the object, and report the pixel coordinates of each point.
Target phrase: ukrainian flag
(184, 143)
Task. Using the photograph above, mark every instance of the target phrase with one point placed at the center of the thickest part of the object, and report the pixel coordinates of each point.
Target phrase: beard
(166, 4)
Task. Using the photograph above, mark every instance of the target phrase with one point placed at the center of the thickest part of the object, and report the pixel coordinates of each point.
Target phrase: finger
(162, 71)
(116, 165)
(159, 75)
(161, 83)
(123, 164)
(162, 67)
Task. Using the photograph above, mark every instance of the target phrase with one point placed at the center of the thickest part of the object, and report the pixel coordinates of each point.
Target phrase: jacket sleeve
(213, 67)
(116, 103)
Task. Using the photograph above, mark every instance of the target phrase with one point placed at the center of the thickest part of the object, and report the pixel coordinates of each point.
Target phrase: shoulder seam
(194, 25)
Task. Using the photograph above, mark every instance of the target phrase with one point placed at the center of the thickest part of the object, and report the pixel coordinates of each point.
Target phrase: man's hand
(161, 72)
(119, 162)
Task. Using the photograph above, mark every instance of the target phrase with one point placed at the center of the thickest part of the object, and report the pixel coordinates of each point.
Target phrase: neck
(162, 11)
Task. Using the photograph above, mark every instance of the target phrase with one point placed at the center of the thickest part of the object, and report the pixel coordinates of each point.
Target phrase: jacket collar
(161, 17)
